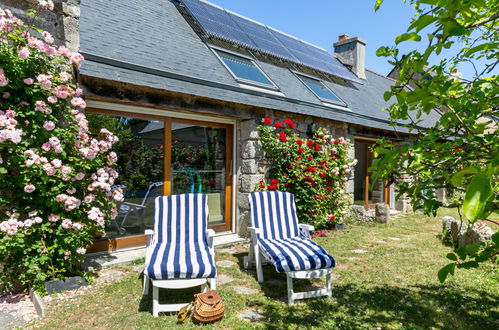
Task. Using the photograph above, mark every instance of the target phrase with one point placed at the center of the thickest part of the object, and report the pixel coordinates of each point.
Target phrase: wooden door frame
(386, 187)
(115, 243)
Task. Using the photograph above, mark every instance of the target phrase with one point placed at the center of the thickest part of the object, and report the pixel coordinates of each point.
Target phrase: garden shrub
(314, 169)
(55, 177)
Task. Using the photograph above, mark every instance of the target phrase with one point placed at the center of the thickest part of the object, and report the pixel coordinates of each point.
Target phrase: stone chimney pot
(352, 52)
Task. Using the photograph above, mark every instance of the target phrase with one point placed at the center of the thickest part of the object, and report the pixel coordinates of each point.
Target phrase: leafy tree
(454, 119)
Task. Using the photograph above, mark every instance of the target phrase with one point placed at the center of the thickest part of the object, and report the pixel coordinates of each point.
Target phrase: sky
(320, 22)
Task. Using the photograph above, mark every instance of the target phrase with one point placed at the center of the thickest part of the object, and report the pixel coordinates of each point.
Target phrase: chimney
(352, 52)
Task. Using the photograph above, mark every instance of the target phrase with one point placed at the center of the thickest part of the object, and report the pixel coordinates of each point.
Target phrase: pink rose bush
(56, 177)
(315, 169)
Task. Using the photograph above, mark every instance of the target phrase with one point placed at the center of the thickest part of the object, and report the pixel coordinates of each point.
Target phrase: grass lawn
(387, 278)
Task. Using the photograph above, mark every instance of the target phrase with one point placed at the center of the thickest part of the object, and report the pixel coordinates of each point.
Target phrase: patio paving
(8, 321)
(224, 279)
(251, 315)
(244, 290)
(225, 263)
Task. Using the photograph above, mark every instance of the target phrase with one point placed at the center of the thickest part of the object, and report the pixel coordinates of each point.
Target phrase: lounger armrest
(138, 206)
(210, 233)
(149, 236)
(305, 229)
(254, 232)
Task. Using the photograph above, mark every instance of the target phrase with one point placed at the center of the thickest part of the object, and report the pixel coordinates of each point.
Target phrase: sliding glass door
(199, 164)
(162, 156)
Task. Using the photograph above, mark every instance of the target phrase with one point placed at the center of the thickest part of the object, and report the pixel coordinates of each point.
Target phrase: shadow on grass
(419, 307)
(354, 306)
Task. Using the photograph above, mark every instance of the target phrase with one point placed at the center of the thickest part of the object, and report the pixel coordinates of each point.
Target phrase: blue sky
(320, 22)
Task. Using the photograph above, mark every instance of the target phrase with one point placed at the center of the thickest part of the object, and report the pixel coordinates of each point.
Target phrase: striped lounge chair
(277, 236)
(180, 249)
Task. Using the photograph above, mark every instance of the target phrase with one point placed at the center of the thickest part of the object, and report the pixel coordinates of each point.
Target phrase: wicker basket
(208, 307)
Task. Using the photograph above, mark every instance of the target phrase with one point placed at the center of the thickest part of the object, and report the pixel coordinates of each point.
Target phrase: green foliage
(454, 120)
(315, 170)
(55, 178)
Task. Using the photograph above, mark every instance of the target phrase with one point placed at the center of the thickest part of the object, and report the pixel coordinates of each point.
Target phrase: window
(244, 69)
(320, 90)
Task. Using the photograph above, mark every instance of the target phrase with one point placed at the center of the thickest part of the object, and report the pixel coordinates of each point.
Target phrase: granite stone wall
(62, 22)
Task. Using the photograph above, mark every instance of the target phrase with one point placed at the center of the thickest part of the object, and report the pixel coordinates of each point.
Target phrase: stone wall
(62, 22)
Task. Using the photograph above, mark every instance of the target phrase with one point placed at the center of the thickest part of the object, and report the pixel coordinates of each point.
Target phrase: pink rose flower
(52, 99)
(64, 76)
(48, 125)
(23, 52)
(29, 188)
(28, 81)
(53, 218)
(46, 146)
(81, 250)
(3, 79)
(78, 102)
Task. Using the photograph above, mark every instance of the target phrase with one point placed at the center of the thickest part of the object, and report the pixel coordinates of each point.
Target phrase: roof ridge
(262, 24)
(381, 75)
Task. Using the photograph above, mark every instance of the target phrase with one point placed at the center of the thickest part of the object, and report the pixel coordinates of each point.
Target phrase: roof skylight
(320, 90)
(244, 69)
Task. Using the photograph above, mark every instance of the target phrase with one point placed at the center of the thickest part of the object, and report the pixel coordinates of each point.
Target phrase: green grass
(393, 285)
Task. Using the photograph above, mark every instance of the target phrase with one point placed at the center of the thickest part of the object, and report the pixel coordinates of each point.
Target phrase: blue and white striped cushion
(180, 248)
(274, 213)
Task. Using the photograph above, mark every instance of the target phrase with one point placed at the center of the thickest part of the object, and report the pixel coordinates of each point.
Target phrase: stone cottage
(185, 83)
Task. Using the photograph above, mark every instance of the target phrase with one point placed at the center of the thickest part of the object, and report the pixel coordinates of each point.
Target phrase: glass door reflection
(199, 165)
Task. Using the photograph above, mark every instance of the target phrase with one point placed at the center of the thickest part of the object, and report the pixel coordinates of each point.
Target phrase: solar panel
(220, 24)
(263, 38)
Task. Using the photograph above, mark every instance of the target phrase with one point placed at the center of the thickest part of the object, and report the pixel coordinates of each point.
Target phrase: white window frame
(323, 100)
(243, 81)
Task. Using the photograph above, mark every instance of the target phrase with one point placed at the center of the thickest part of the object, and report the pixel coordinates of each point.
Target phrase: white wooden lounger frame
(205, 283)
(256, 255)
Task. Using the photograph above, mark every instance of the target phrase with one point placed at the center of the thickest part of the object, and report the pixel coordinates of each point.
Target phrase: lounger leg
(204, 288)
(155, 301)
(145, 285)
(329, 280)
(249, 260)
(291, 299)
(213, 283)
(258, 262)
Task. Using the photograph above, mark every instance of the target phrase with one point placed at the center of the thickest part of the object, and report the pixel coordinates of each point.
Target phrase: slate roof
(151, 44)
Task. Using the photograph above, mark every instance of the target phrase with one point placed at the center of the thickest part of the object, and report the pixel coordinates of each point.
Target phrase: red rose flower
(329, 189)
(309, 212)
(323, 175)
(332, 218)
(282, 136)
(318, 147)
(274, 181)
(300, 150)
(287, 184)
(299, 142)
(267, 120)
(330, 182)
(456, 147)
(272, 187)
(310, 157)
(310, 143)
(262, 185)
(278, 124)
(290, 166)
(289, 122)
(336, 142)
